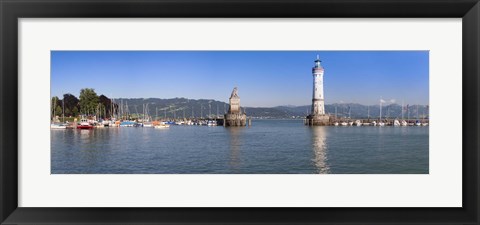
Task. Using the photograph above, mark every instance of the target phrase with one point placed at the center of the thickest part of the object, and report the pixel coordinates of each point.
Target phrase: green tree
(54, 102)
(88, 100)
(53, 105)
(58, 111)
(107, 105)
(67, 112)
(70, 102)
(75, 111)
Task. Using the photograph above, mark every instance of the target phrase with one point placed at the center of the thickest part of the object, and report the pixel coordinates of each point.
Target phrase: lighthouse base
(318, 120)
(235, 120)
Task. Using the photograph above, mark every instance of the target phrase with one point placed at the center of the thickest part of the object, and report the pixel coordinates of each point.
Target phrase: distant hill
(178, 107)
(174, 107)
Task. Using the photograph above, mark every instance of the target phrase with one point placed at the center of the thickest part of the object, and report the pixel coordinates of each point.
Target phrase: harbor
(234, 117)
(273, 113)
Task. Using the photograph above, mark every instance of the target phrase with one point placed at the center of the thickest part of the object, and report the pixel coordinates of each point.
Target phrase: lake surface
(267, 147)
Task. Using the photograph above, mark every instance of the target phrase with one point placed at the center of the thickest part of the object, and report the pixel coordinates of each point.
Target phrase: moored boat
(162, 126)
(148, 124)
(396, 123)
(58, 126)
(128, 124)
(84, 124)
(212, 123)
(358, 123)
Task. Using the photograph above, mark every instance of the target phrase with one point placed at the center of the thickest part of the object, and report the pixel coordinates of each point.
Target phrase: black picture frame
(12, 10)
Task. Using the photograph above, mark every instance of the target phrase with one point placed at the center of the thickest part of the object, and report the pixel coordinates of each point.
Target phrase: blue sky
(263, 78)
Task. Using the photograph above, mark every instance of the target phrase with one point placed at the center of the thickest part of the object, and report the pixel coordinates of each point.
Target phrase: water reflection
(84, 136)
(319, 136)
(235, 144)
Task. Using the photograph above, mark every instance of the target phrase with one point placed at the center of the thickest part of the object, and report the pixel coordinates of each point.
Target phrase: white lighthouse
(318, 101)
(318, 116)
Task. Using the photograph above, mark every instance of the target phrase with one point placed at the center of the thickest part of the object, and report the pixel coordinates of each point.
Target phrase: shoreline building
(318, 116)
(235, 116)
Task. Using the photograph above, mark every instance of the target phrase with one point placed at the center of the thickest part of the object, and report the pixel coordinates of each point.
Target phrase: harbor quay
(90, 122)
(333, 121)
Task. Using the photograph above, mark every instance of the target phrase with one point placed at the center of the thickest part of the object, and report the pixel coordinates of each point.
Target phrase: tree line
(88, 103)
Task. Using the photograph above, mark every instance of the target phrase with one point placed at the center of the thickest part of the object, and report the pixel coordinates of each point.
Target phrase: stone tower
(318, 116)
(235, 116)
(234, 102)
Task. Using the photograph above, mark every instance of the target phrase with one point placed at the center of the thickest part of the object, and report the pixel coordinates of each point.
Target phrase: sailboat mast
(368, 111)
(349, 112)
(63, 109)
(111, 109)
(380, 109)
(417, 112)
(402, 109)
(335, 111)
(408, 113)
(388, 111)
(54, 109)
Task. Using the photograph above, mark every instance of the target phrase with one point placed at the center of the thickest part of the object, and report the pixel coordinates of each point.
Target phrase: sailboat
(162, 125)
(59, 125)
(396, 123)
(146, 117)
(358, 123)
(380, 123)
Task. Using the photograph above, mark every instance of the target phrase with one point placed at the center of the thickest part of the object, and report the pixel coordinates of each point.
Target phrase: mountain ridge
(178, 107)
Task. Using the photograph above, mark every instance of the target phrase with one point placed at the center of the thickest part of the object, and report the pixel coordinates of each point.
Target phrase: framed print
(318, 112)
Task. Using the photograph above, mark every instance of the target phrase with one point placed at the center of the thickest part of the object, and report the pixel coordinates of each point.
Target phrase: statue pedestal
(318, 120)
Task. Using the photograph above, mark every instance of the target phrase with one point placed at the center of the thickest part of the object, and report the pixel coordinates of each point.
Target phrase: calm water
(268, 147)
